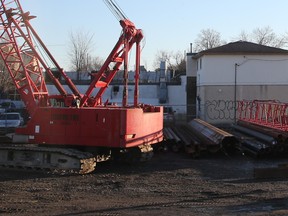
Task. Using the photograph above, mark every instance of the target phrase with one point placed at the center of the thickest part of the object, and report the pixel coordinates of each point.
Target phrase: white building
(237, 71)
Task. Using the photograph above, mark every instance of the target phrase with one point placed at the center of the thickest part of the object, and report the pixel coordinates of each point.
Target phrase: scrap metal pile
(264, 125)
(199, 137)
(261, 141)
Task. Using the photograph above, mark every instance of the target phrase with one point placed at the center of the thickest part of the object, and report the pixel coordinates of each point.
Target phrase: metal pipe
(174, 135)
(185, 139)
(278, 135)
(211, 134)
(191, 144)
(256, 134)
(260, 148)
(167, 135)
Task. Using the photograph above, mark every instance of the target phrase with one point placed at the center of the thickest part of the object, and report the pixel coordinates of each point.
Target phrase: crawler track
(61, 160)
(140, 153)
(56, 160)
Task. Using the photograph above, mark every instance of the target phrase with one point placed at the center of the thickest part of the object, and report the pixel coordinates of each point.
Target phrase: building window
(199, 64)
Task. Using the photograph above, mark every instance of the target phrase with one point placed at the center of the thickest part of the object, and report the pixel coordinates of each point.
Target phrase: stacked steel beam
(173, 141)
(198, 137)
(191, 144)
(261, 141)
(214, 138)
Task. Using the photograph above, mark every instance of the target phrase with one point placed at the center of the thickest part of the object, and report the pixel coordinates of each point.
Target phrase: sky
(168, 25)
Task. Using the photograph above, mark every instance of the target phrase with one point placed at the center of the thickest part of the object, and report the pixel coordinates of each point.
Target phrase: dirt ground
(169, 184)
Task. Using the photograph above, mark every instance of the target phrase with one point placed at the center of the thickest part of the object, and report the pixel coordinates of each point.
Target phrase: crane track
(146, 152)
(61, 160)
(49, 159)
(137, 154)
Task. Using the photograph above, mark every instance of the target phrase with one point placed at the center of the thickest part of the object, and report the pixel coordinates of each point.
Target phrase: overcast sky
(169, 25)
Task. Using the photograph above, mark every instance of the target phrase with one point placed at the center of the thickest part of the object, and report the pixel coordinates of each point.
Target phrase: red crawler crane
(99, 129)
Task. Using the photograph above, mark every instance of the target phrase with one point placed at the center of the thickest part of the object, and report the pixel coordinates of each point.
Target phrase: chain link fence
(215, 111)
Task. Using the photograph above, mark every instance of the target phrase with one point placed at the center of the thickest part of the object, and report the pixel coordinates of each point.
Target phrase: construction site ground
(170, 184)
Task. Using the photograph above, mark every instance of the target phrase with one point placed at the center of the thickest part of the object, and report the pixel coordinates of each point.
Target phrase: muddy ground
(169, 184)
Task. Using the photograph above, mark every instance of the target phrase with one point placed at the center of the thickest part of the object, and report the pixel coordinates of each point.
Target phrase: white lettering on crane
(37, 129)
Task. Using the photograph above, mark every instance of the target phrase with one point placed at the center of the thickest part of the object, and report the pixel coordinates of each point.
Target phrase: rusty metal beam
(212, 136)
(279, 135)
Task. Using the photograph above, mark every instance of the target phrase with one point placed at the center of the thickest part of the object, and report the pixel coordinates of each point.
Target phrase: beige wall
(217, 102)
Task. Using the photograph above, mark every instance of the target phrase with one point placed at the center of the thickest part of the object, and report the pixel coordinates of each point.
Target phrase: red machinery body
(114, 127)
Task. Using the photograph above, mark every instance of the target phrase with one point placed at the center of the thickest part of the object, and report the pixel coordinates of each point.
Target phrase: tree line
(210, 38)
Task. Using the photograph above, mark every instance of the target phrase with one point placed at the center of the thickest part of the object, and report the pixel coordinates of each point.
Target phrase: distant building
(236, 71)
(155, 88)
(145, 76)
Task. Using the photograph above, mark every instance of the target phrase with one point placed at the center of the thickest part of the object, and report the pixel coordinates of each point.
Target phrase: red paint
(97, 127)
(268, 113)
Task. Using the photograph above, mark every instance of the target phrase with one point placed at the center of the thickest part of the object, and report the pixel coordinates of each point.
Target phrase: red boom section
(23, 67)
(119, 55)
(267, 113)
(23, 61)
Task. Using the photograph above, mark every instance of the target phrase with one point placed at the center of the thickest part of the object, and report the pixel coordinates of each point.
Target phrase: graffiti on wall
(220, 109)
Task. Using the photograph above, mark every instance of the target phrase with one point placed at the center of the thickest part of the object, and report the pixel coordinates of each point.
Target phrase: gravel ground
(169, 184)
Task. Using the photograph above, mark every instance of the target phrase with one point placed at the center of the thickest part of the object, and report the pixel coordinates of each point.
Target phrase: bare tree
(243, 36)
(207, 39)
(6, 83)
(280, 42)
(179, 62)
(81, 45)
(163, 55)
(175, 61)
(96, 64)
(264, 36)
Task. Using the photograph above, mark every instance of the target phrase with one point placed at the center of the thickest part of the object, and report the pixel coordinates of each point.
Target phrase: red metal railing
(268, 113)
